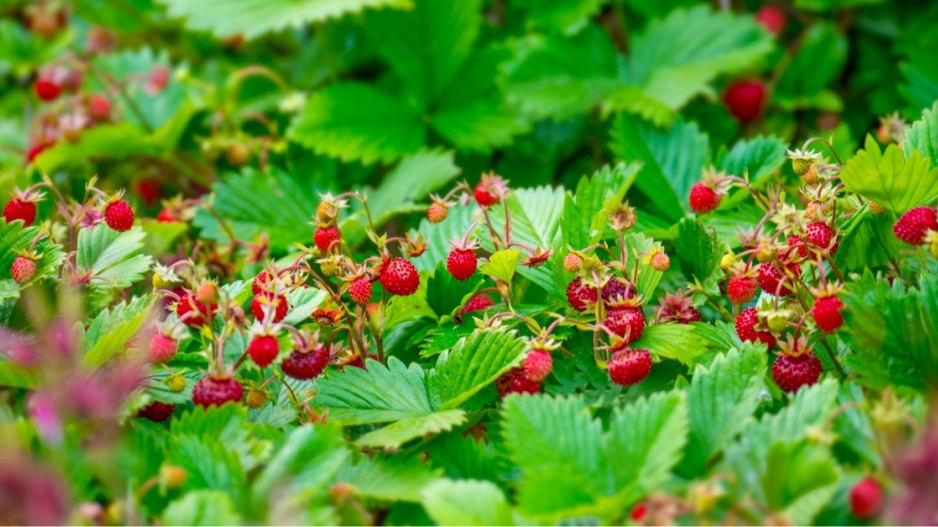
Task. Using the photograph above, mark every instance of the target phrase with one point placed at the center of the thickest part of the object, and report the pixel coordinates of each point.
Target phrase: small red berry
(617, 290)
(772, 19)
(639, 512)
(157, 411)
(538, 364)
(119, 216)
(47, 90)
(628, 323)
(162, 348)
(261, 283)
(263, 349)
(200, 312)
(795, 245)
(17, 209)
(23, 269)
(327, 238)
(35, 149)
(483, 197)
(305, 365)
(400, 277)
(915, 224)
(704, 198)
(629, 366)
(866, 497)
(461, 263)
(209, 391)
(744, 99)
(264, 301)
(360, 290)
(746, 328)
(515, 381)
(99, 107)
(437, 212)
(478, 303)
(148, 189)
(827, 314)
(580, 296)
(819, 236)
(772, 281)
(166, 216)
(791, 371)
(741, 289)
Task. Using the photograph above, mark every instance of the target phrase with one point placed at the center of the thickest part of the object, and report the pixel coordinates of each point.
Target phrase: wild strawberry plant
(466, 279)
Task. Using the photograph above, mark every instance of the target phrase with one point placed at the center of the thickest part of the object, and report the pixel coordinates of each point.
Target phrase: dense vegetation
(415, 262)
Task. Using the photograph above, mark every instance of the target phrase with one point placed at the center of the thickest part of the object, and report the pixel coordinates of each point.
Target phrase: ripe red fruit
(23, 269)
(628, 323)
(119, 216)
(791, 372)
(327, 238)
(17, 209)
(703, 198)
(209, 391)
(305, 366)
(915, 224)
(162, 348)
(35, 149)
(264, 301)
(819, 236)
(484, 197)
(47, 90)
(200, 312)
(399, 277)
(263, 349)
(773, 281)
(166, 216)
(157, 411)
(827, 314)
(461, 263)
(866, 497)
(261, 283)
(746, 328)
(515, 381)
(795, 245)
(616, 290)
(744, 99)
(741, 289)
(629, 366)
(437, 212)
(99, 108)
(149, 190)
(772, 19)
(478, 303)
(360, 290)
(538, 364)
(580, 296)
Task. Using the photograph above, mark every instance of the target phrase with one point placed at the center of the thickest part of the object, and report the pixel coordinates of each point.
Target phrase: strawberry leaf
(585, 218)
(466, 502)
(895, 181)
(378, 394)
(923, 135)
(800, 478)
(501, 265)
(202, 507)
(399, 432)
(672, 340)
(109, 332)
(389, 478)
(113, 258)
(445, 293)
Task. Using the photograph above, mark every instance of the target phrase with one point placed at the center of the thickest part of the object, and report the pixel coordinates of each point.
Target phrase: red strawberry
(263, 349)
(99, 108)
(746, 328)
(119, 216)
(461, 263)
(210, 391)
(262, 283)
(35, 149)
(149, 190)
(915, 224)
(17, 209)
(327, 238)
(744, 99)
(820, 236)
(741, 289)
(795, 245)
(580, 296)
(792, 371)
(772, 281)
(538, 364)
(360, 290)
(166, 216)
(157, 411)
(628, 323)
(478, 303)
(866, 497)
(201, 313)
(23, 269)
(704, 198)
(629, 366)
(617, 290)
(162, 348)
(515, 381)
(437, 212)
(264, 301)
(827, 313)
(484, 197)
(47, 90)
(772, 19)
(399, 277)
(305, 365)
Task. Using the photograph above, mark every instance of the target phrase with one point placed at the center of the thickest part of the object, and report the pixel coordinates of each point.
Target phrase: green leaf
(389, 479)
(14, 237)
(867, 241)
(355, 121)
(110, 141)
(757, 157)
(471, 365)
(439, 235)
(202, 507)
(672, 160)
(251, 18)
(414, 178)
(564, 16)
(648, 278)
(501, 265)
(396, 434)
(302, 304)
(113, 257)
(672, 340)
(698, 248)
(15, 375)
(466, 502)
(817, 63)
(445, 293)
(377, 394)
(799, 480)
(889, 178)
(112, 328)
(923, 135)
(584, 216)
